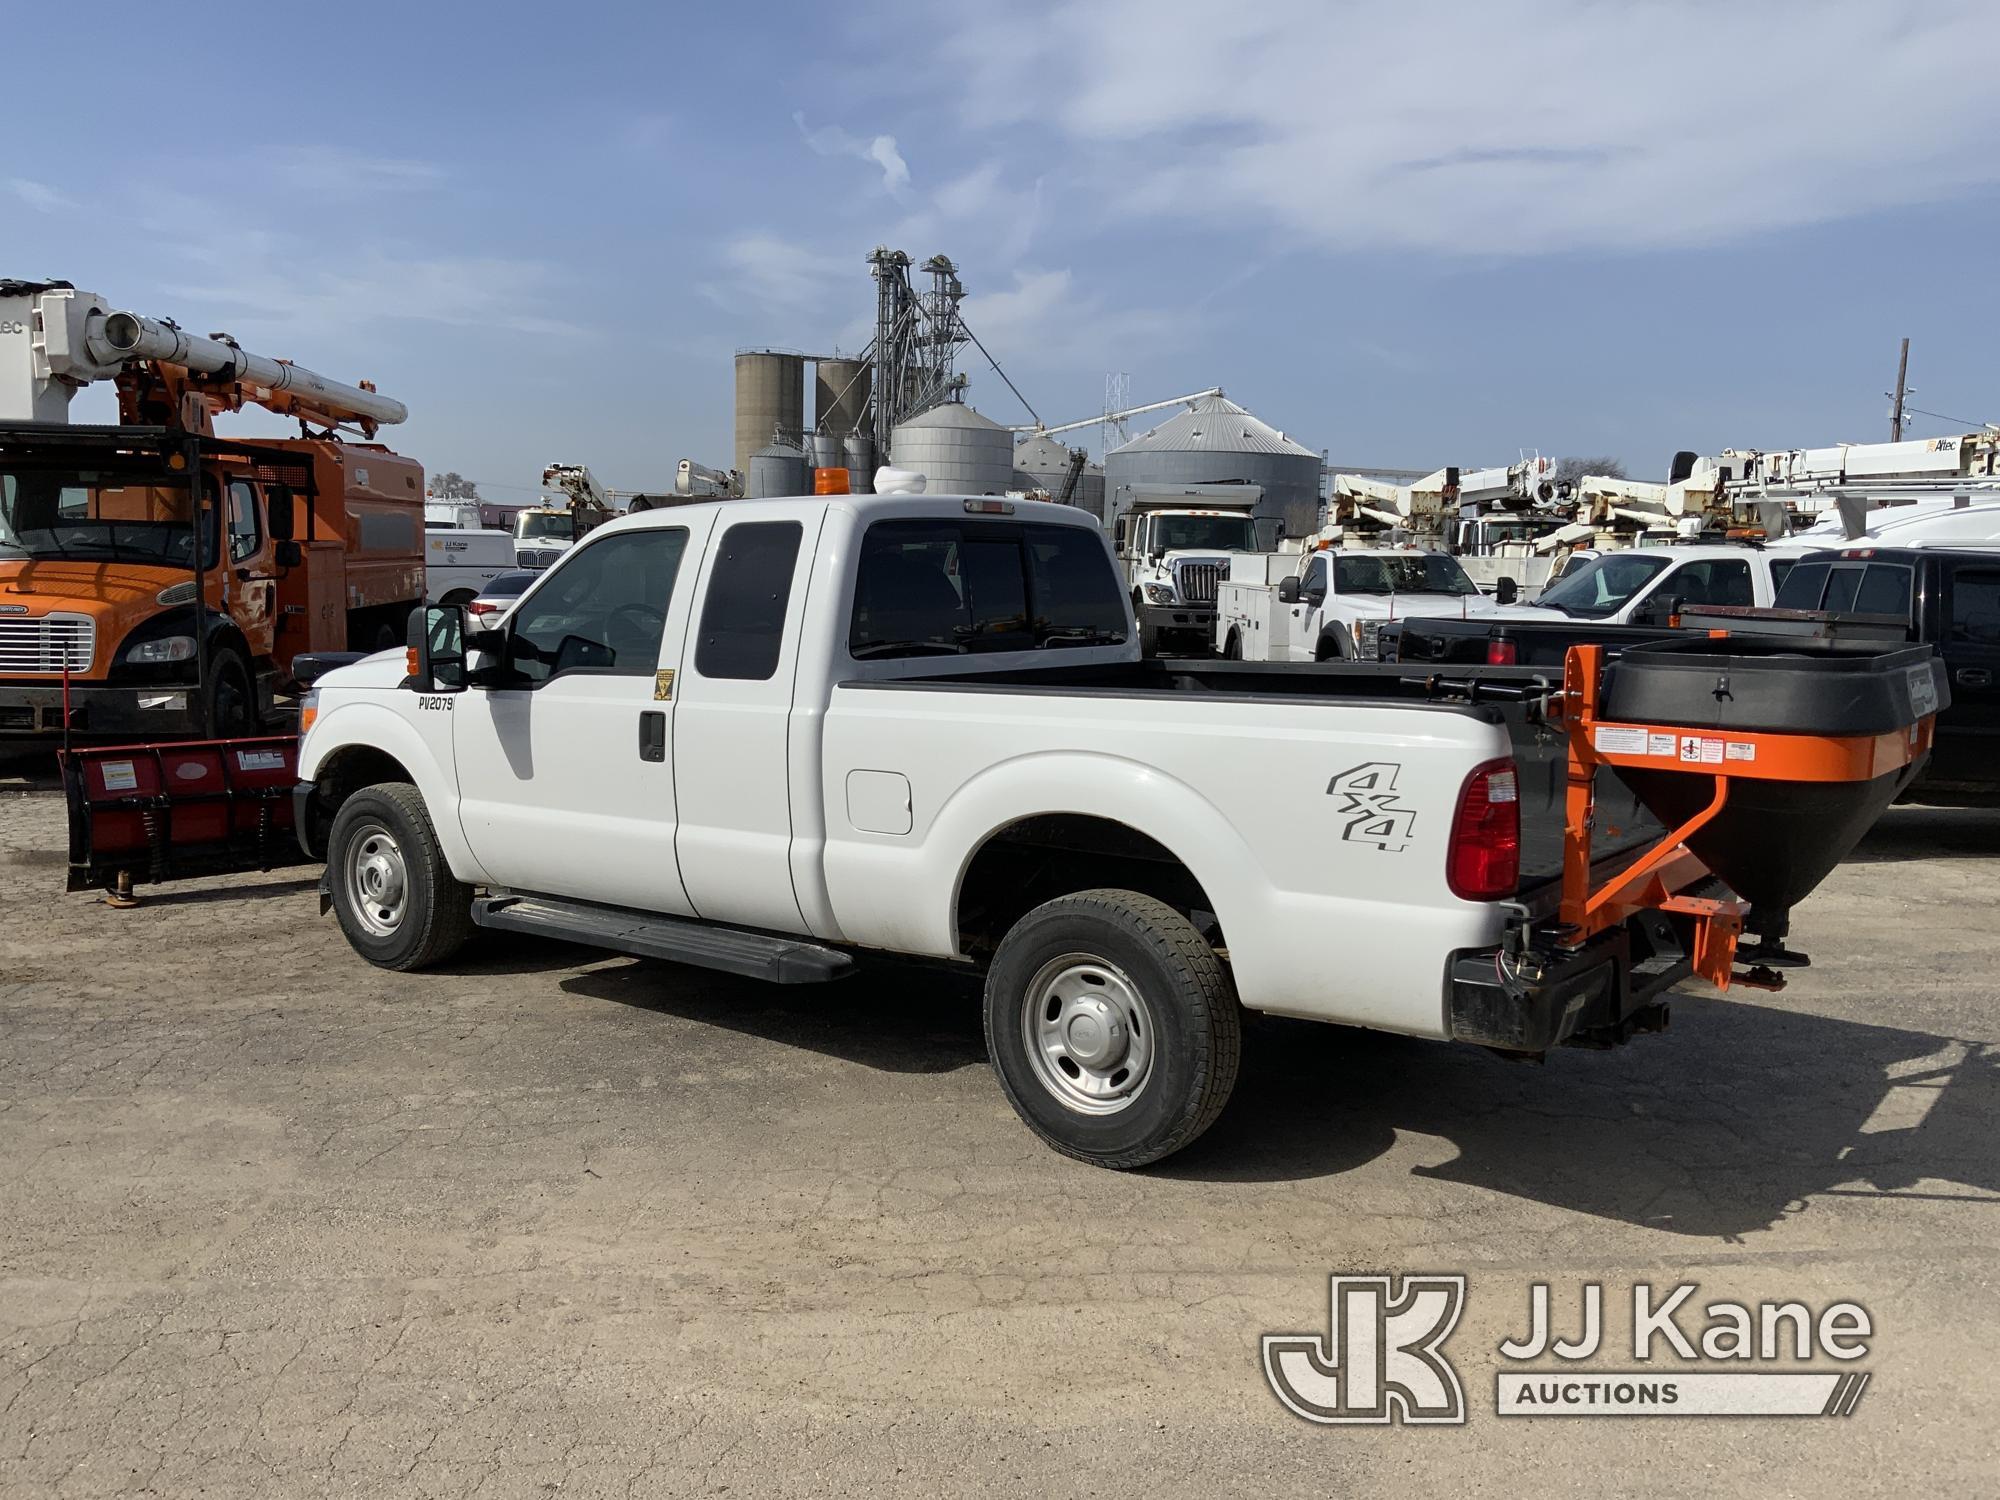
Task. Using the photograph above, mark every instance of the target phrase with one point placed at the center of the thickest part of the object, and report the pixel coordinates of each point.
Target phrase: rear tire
(396, 898)
(1113, 1027)
(1232, 650)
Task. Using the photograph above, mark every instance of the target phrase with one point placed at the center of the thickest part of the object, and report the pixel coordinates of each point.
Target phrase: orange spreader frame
(1656, 879)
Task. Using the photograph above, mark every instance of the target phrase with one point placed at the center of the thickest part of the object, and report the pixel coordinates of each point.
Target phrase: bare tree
(452, 485)
(1573, 469)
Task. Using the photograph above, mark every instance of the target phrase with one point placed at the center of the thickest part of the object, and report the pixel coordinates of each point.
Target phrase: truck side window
(749, 591)
(603, 610)
(1713, 581)
(1314, 581)
(1975, 606)
(244, 532)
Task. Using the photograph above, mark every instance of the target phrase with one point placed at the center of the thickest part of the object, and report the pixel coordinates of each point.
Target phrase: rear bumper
(1598, 995)
(36, 712)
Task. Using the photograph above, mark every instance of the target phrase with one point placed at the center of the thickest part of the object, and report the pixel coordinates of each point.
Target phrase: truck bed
(1540, 752)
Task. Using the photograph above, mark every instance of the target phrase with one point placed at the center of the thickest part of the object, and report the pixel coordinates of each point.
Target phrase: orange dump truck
(155, 580)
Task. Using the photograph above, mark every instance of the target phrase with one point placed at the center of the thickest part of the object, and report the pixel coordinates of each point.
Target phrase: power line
(1940, 416)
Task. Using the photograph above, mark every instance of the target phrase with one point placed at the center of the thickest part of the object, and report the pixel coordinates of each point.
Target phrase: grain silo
(776, 469)
(770, 401)
(957, 450)
(1218, 442)
(1042, 463)
(840, 396)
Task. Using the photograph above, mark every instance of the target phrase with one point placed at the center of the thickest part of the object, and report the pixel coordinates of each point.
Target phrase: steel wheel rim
(378, 881)
(1088, 1033)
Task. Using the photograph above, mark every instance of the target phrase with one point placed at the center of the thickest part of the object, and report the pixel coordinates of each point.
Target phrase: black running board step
(756, 955)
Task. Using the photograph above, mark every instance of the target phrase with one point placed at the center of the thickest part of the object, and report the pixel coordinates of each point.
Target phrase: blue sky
(1412, 234)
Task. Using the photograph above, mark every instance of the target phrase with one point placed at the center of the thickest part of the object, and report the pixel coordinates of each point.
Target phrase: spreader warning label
(1697, 750)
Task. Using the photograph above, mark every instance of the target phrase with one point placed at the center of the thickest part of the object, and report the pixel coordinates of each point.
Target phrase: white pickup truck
(1647, 585)
(776, 736)
(1332, 604)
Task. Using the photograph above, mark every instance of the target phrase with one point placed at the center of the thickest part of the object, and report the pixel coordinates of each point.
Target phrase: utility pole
(1896, 412)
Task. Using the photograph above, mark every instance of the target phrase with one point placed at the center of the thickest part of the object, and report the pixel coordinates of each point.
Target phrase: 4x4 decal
(1369, 805)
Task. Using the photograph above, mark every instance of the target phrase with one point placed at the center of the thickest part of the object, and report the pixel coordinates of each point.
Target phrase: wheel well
(1024, 864)
(344, 773)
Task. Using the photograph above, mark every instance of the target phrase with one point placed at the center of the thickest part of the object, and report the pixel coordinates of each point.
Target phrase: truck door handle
(653, 734)
(1975, 677)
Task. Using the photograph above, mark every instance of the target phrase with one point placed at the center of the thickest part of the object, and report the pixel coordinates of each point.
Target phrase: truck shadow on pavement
(897, 1018)
(1733, 1121)
(1915, 832)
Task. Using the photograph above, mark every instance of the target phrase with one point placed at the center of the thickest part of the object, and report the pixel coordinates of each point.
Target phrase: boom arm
(67, 339)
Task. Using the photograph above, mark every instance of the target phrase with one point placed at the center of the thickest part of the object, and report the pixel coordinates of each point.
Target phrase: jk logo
(1380, 1361)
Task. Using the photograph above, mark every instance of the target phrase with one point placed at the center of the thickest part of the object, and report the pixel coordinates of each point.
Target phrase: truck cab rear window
(749, 590)
(947, 587)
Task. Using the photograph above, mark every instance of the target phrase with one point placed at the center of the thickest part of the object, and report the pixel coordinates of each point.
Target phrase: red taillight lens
(1484, 861)
(1501, 653)
(480, 607)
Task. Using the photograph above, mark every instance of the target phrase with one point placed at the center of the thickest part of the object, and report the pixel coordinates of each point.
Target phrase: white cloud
(1516, 126)
(831, 140)
(337, 169)
(765, 267)
(38, 195)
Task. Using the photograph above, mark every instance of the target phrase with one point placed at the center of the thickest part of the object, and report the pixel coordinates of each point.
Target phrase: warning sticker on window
(120, 776)
(1701, 751)
(1614, 739)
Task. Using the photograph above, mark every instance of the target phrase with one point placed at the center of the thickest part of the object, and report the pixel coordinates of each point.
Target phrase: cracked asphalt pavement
(275, 1223)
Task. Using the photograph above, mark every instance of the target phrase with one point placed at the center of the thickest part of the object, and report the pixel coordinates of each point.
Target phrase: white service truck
(1331, 604)
(461, 556)
(774, 737)
(1174, 546)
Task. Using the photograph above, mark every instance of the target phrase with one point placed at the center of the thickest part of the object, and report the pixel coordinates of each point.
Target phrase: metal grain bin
(840, 395)
(1042, 463)
(859, 450)
(957, 450)
(1218, 442)
(776, 469)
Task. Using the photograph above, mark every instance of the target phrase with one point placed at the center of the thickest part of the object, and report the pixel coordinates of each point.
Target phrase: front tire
(232, 697)
(1113, 1027)
(396, 898)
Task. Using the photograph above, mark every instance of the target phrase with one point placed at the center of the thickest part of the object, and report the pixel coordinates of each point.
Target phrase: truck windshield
(944, 587)
(538, 527)
(1604, 585)
(1204, 534)
(90, 515)
(1412, 573)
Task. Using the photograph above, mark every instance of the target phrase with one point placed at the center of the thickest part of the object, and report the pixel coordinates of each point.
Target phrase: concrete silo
(770, 401)
(1042, 463)
(957, 450)
(1218, 442)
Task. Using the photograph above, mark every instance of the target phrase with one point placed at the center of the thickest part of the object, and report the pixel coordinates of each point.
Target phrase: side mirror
(436, 649)
(1660, 609)
(1506, 591)
(280, 507)
(290, 554)
(1288, 591)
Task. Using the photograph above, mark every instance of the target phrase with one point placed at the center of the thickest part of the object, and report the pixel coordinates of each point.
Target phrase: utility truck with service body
(775, 737)
(114, 619)
(1332, 605)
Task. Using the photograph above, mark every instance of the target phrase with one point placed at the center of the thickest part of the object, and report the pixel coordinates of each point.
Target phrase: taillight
(480, 607)
(1501, 653)
(1484, 860)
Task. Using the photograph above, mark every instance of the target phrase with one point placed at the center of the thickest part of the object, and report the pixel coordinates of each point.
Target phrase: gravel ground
(276, 1223)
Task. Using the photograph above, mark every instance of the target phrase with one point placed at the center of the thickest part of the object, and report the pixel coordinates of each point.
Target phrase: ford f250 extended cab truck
(775, 736)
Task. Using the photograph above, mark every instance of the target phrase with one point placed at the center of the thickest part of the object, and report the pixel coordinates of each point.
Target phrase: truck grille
(1196, 581)
(47, 644)
(537, 557)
